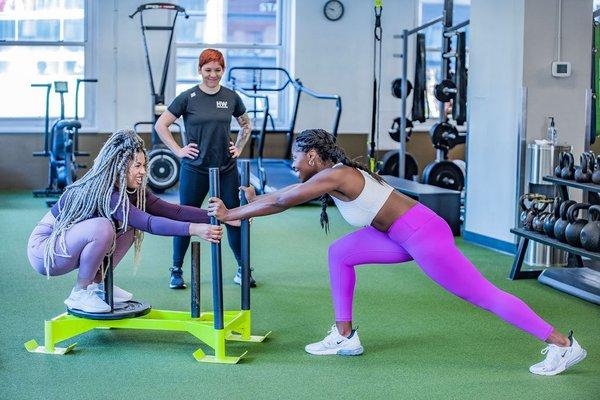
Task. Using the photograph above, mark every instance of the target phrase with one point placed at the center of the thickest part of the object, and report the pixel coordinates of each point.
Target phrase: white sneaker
(119, 295)
(86, 300)
(334, 343)
(238, 277)
(559, 358)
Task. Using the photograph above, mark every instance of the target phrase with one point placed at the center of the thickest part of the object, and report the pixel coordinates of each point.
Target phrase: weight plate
(389, 165)
(444, 174)
(397, 88)
(163, 169)
(443, 135)
(394, 130)
(129, 309)
(441, 90)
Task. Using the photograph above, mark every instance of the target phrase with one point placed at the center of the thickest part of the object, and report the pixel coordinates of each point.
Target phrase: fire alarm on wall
(561, 69)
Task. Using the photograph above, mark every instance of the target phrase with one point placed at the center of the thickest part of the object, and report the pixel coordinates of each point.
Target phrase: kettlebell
(592, 161)
(538, 221)
(539, 213)
(568, 171)
(582, 173)
(561, 224)
(596, 173)
(552, 217)
(528, 212)
(576, 224)
(590, 234)
(561, 165)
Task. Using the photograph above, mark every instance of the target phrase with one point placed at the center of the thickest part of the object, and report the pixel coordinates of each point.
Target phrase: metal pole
(521, 153)
(217, 276)
(108, 282)
(446, 47)
(402, 148)
(245, 237)
(195, 309)
(589, 101)
(452, 30)
(421, 27)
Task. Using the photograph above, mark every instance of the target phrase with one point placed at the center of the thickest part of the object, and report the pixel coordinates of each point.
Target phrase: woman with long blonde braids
(105, 212)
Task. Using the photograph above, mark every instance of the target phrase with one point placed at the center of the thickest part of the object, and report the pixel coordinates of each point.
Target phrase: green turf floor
(420, 342)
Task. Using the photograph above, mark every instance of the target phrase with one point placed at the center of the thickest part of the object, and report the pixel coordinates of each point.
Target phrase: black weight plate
(163, 169)
(444, 174)
(397, 88)
(443, 135)
(394, 130)
(129, 309)
(441, 94)
(389, 165)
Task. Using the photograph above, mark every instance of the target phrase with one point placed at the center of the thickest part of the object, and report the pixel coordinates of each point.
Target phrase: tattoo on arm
(244, 133)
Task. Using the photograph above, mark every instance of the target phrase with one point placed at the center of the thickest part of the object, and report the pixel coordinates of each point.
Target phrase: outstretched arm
(157, 206)
(251, 192)
(162, 226)
(323, 182)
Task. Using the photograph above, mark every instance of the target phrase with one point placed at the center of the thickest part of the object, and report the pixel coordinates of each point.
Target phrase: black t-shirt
(207, 120)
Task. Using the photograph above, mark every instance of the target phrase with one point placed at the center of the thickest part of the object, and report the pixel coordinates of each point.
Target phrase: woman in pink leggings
(395, 229)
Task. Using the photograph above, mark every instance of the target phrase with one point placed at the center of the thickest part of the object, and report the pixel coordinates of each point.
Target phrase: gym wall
(337, 57)
(512, 46)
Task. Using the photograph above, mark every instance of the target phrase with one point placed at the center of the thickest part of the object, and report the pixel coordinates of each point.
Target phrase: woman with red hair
(207, 109)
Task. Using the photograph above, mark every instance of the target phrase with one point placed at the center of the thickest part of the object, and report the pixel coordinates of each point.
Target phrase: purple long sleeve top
(160, 218)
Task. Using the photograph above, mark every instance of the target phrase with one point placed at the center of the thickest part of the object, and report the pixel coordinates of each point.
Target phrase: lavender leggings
(87, 243)
(422, 236)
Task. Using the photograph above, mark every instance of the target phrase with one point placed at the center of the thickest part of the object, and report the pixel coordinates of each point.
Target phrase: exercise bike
(61, 143)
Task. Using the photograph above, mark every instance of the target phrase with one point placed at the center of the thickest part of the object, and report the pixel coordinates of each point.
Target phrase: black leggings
(193, 188)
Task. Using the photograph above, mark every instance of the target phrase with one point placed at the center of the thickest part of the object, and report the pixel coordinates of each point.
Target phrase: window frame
(282, 54)
(35, 125)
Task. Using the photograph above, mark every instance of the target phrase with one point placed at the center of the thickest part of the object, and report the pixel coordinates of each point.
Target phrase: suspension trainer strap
(377, 36)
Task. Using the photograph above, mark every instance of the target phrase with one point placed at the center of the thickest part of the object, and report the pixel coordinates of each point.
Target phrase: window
(429, 10)
(247, 32)
(40, 42)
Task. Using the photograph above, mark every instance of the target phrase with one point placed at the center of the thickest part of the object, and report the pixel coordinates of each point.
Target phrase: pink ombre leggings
(423, 236)
(87, 243)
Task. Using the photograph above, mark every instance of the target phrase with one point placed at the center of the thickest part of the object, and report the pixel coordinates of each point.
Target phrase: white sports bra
(362, 210)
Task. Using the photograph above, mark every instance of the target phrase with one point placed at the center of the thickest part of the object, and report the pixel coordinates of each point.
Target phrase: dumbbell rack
(585, 281)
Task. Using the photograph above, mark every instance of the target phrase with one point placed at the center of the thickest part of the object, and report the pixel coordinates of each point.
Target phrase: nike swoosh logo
(339, 342)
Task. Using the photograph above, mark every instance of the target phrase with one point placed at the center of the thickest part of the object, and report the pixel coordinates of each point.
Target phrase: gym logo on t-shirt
(221, 104)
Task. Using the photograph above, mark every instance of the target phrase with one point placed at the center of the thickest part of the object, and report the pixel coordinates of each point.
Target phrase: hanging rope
(377, 36)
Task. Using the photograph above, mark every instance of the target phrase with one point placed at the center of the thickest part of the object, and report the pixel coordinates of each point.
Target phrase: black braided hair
(324, 144)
